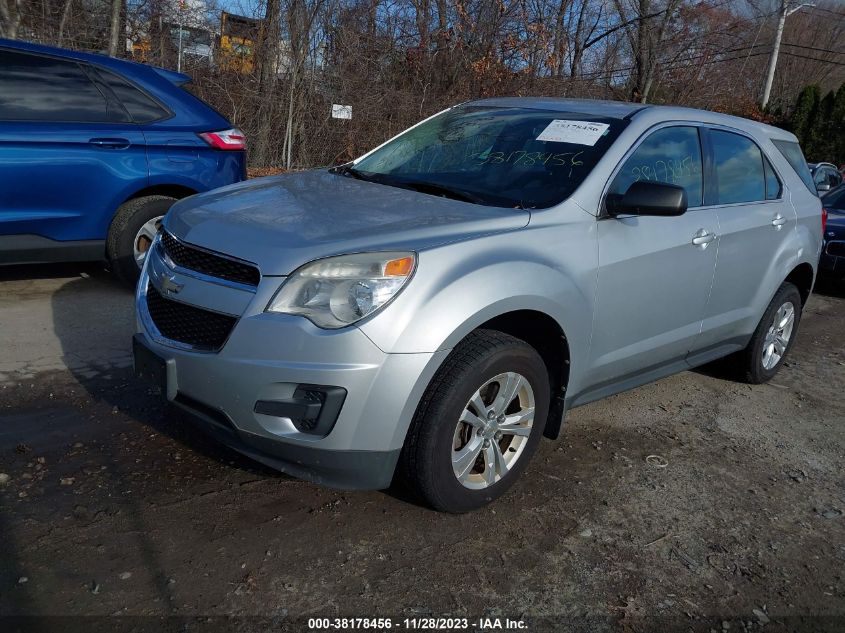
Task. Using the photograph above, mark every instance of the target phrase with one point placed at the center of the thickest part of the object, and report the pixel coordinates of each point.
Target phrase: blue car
(95, 150)
(832, 263)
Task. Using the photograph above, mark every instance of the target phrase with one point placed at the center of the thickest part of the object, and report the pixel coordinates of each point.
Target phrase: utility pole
(181, 21)
(786, 9)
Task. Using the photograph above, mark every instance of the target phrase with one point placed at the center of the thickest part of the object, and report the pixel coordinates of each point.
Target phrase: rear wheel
(773, 338)
(131, 234)
(478, 423)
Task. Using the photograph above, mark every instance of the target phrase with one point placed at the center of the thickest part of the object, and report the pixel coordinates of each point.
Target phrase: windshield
(509, 157)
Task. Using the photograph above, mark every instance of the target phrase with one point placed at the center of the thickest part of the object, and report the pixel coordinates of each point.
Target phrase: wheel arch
(170, 190)
(802, 276)
(535, 326)
(545, 335)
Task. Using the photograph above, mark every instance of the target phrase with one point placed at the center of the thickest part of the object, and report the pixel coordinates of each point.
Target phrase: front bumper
(266, 358)
(346, 470)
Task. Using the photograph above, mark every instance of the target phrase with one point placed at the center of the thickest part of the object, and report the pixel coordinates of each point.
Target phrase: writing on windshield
(500, 156)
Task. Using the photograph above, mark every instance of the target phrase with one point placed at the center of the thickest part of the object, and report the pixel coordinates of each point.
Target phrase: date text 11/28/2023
(424, 623)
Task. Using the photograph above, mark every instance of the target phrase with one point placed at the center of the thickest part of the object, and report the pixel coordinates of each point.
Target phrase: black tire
(748, 364)
(128, 220)
(425, 463)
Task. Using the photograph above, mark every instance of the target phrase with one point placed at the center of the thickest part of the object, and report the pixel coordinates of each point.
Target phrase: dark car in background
(94, 150)
(832, 263)
(825, 176)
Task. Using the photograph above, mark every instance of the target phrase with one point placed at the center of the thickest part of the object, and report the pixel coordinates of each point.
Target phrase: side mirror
(823, 186)
(646, 197)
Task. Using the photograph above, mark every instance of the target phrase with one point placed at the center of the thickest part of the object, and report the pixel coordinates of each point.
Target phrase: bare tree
(395, 61)
(114, 27)
(10, 18)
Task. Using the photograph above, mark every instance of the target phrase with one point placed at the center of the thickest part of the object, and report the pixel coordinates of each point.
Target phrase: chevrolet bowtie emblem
(170, 286)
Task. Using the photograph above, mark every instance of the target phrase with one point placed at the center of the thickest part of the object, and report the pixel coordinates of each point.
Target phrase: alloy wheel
(144, 239)
(493, 430)
(778, 335)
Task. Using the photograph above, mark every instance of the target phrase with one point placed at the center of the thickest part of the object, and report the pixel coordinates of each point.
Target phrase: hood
(283, 222)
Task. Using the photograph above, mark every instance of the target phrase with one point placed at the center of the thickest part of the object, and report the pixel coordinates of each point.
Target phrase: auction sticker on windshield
(578, 132)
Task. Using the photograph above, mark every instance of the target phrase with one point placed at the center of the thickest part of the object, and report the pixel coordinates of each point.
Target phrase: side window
(739, 168)
(141, 108)
(820, 176)
(773, 186)
(792, 153)
(833, 177)
(37, 88)
(671, 155)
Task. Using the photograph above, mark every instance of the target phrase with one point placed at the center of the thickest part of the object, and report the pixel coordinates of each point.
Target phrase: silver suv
(432, 309)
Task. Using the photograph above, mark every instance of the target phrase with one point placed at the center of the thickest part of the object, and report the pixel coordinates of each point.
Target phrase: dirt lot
(113, 507)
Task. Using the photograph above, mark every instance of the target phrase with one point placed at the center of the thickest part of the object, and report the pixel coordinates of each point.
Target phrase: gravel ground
(110, 506)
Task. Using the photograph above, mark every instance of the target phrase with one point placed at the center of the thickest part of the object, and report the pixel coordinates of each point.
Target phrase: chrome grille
(207, 263)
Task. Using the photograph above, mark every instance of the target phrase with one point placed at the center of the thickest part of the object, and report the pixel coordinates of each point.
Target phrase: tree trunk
(267, 72)
(442, 25)
(63, 21)
(560, 39)
(114, 27)
(578, 42)
(10, 18)
(422, 11)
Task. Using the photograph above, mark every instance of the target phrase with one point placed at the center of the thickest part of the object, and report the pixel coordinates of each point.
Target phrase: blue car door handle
(110, 143)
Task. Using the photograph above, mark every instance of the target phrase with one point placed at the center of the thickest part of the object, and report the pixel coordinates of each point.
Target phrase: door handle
(703, 238)
(110, 143)
(779, 221)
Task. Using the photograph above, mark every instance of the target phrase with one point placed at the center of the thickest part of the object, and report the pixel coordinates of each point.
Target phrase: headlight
(337, 291)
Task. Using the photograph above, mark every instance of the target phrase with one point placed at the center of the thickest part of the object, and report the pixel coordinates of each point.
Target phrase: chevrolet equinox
(432, 309)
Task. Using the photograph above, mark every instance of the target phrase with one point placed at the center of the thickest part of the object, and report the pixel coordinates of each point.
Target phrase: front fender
(458, 287)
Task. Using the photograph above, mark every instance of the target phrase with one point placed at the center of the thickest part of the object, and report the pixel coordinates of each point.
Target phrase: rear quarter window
(795, 157)
(141, 107)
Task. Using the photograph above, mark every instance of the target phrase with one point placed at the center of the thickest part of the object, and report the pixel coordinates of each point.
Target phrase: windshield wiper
(439, 190)
(349, 170)
(416, 185)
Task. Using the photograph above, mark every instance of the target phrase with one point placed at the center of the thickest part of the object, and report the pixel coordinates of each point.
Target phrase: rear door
(756, 220)
(69, 154)
(654, 273)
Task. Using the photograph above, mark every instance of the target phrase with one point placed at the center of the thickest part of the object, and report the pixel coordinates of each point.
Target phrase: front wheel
(478, 423)
(773, 338)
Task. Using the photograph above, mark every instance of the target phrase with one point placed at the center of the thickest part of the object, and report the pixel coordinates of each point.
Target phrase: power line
(684, 63)
(813, 48)
(815, 59)
(836, 13)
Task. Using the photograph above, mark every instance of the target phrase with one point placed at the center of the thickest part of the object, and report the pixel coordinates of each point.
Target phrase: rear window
(792, 153)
